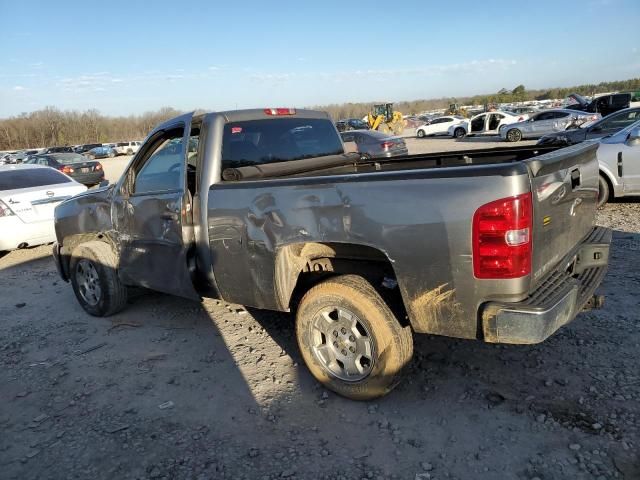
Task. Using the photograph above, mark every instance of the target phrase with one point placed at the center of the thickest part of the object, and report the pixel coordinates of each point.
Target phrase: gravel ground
(175, 389)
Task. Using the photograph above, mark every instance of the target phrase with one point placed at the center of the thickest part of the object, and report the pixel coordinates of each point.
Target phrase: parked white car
(28, 196)
(488, 123)
(127, 148)
(619, 159)
(438, 126)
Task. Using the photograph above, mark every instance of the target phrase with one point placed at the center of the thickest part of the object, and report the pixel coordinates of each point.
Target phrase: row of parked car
(92, 151)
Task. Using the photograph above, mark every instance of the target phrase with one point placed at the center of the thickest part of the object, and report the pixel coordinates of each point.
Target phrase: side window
(163, 165)
(494, 121)
(348, 137)
(43, 161)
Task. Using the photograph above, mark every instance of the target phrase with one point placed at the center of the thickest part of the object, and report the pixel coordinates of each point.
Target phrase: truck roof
(248, 114)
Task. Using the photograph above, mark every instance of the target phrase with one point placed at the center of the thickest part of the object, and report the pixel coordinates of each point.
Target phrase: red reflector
(280, 111)
(502, 238)
(387, 145)
(520, 119)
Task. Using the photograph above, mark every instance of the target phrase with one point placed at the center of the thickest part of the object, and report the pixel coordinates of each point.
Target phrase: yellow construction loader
(385, 120)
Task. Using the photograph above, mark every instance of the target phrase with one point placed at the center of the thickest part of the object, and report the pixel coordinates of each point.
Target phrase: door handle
(620, 164)
(575, 178)
(169, 216)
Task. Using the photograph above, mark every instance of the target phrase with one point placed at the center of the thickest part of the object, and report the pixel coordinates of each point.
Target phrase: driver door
(152, 213)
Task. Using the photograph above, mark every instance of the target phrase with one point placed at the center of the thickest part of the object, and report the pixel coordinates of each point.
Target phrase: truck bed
(465, 158)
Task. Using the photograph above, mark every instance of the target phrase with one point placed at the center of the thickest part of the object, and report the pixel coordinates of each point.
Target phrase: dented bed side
(418, 220)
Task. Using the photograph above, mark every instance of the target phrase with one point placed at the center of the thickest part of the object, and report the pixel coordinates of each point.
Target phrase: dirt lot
(175, 389)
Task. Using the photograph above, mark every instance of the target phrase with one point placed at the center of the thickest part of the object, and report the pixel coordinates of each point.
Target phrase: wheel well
(609, 183)
(301, 266)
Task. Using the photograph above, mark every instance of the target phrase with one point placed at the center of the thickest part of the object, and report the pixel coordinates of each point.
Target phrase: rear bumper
(556, 301)
(14, 233)
(89, 178)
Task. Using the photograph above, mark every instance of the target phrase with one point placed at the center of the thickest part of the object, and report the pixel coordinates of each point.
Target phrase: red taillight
(502, 238)
(387, 145)
(520, 119)
(280, 111)
(98, 167)
(66, 169)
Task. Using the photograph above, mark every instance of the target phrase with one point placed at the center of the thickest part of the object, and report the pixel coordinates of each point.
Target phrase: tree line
(517, 94)
(54, 127)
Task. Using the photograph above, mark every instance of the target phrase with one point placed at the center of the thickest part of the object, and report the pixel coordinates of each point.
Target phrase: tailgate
(565, 192)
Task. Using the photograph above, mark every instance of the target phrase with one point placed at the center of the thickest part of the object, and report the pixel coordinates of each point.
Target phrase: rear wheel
(514, 135)
(95, 280)
(129, 152)
(350, 340)
(421, 134)
(603, 191)
(459, 133)
(112, 154)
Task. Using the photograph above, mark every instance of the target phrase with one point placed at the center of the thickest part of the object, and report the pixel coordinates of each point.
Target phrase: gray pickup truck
(263, 208)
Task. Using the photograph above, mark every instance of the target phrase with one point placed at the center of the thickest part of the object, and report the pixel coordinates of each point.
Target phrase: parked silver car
(545, 122)
(619, 159)
(374, 144)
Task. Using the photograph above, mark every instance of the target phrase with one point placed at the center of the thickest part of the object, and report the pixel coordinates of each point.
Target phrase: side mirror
(104, 183)
(634, 137)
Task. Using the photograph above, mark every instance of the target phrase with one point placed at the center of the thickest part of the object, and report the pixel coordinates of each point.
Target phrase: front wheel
(421, 134)
(95, 280)
(350, 340)
(514, 135)
(603, 191)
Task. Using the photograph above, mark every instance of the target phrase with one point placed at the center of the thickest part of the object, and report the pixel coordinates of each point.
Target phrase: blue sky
(128, 57)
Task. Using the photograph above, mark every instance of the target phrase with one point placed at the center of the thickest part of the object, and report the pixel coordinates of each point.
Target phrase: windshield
(257, 142)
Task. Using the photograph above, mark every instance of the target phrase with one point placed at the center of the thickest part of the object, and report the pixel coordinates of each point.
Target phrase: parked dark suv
(604, 104)
(87, 147)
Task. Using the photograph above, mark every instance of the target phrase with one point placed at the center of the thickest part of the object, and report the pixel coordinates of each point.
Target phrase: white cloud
(472, 67)
(18, 88)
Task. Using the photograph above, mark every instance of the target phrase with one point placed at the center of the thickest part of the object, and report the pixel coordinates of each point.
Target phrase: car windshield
(30, 177)
(255, 142)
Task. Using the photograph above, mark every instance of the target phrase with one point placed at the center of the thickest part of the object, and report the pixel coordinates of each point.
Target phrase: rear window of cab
(255, 142)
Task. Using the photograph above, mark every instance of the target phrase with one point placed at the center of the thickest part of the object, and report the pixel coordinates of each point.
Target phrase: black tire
(604, 191)
(370, 318)
(129, 152)
(514, 135)
(459, 133)
(112, 295)
(421, 134)
(112, 154)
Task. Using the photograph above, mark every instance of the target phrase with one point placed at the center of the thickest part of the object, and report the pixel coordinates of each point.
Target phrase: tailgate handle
(575, 179)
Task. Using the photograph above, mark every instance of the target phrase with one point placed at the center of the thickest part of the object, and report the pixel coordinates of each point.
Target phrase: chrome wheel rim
(342, 344)
(88, 282)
